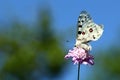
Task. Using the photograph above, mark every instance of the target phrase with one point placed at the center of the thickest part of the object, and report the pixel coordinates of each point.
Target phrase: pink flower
(79, 55)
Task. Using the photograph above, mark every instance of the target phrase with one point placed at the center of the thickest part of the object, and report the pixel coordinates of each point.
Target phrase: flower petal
(80, 55)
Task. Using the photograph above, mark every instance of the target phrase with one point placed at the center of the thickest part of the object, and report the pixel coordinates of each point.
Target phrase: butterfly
(87, 31)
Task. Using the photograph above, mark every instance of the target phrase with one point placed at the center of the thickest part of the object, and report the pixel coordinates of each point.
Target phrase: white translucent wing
(87, 31)
(84, 18)
(93, 31)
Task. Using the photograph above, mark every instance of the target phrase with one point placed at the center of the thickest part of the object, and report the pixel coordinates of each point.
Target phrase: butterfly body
(87, 31)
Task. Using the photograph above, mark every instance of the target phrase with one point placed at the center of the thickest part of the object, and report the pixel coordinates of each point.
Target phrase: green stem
(78, 78)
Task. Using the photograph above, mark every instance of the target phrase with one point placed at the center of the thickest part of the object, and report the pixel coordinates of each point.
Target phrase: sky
(65, 14)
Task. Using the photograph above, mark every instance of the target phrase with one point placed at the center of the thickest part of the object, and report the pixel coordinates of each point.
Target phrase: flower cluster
(80, 55)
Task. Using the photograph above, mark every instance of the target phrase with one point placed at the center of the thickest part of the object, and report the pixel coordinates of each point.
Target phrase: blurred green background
(35, 38)
(29, 51)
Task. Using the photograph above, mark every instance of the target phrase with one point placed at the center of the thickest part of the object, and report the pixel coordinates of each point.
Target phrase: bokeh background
(36, 34)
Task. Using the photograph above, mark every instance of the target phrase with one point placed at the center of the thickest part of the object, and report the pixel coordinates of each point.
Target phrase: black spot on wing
(82, 21)
(78, 21)
(80, 17)
(79, 32)
(80, 26)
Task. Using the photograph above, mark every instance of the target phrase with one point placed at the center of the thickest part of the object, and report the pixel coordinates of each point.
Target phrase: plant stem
(78, 78)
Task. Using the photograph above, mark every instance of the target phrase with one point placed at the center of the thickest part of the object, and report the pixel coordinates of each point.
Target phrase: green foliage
(107, 65)
(28, 50)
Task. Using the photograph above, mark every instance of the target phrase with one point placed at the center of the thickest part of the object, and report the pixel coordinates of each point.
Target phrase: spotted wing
(83, 18)
(91, 32)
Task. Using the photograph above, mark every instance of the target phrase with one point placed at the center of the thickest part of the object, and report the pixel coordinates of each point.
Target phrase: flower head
(79, 55)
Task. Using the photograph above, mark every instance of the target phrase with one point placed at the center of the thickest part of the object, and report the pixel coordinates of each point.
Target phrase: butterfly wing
(83, 18)
(93, 31)
(87, 31)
